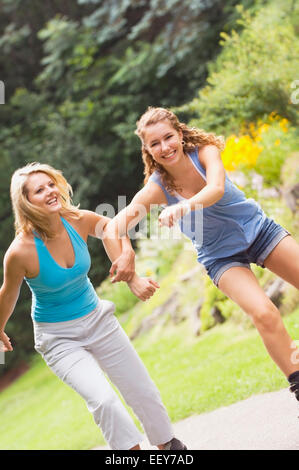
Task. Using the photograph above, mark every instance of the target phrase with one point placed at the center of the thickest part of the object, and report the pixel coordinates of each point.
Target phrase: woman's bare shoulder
(80, 222)
(209, 153)
(21, 247)
(21, 257)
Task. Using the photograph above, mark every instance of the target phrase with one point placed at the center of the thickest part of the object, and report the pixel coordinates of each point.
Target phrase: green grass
(194, 375)
(225, 365)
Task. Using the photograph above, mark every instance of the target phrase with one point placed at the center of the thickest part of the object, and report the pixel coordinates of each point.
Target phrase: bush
(263, 147)
(253, 74)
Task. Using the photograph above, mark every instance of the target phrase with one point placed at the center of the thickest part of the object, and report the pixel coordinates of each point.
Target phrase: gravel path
(261, 422)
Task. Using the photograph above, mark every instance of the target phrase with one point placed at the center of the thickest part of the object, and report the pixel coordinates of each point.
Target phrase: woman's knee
(105, 407)
(266, 316)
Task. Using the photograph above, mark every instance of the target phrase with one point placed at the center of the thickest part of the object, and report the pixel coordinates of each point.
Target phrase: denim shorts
(268, 238)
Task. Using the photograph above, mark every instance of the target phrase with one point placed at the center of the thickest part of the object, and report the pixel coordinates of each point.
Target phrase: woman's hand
(172, 214)
(124, 267)
(143, 287)
(5, 344)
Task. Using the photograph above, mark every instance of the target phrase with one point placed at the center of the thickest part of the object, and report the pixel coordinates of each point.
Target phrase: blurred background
(77, 75)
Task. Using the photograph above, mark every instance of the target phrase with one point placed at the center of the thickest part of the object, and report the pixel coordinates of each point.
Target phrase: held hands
(143, 287)
(172, 214)
(5, 344)
(123, 268)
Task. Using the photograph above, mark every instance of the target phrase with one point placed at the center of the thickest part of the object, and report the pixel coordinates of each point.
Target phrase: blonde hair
(30, 217)
(192, 137)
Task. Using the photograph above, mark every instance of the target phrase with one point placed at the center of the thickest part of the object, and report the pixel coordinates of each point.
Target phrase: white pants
(79, 351)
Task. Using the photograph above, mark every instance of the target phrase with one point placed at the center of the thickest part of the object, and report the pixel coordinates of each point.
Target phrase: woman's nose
(49, 191)
(164, 146)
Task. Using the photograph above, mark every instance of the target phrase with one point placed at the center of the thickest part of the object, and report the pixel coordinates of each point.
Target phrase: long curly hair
(192, 137)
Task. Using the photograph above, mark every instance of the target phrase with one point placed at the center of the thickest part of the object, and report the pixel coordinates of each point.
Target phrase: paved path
(262, 422)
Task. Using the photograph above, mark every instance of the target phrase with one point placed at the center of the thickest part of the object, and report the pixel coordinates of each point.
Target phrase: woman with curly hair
(184, 171)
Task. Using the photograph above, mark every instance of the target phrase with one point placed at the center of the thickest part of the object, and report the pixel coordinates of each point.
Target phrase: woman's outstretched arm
(119, 250)
(13, 275)
(210, 158)
(141, 204)
(143, 288)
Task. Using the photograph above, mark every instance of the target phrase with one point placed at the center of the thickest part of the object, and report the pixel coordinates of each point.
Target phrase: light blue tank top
(62, 294)
(228, 227)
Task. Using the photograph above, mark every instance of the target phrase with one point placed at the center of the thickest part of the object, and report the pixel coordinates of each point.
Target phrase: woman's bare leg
(241, 285)
(284, 261)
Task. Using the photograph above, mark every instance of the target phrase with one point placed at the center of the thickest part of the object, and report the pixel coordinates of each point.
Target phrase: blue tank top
(62, 294)
(227, 227)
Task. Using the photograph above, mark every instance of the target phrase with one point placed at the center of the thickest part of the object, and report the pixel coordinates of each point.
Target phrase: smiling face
(42, 192)
(164, 143)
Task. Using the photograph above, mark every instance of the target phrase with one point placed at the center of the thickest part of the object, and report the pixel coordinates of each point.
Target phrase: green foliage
(290, 171)
(276, 140)
(276, 147)
(211, 296)
(253, 74)
(118, 293)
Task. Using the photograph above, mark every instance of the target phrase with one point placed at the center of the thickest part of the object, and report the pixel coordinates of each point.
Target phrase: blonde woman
(183, 170)
(75, 331)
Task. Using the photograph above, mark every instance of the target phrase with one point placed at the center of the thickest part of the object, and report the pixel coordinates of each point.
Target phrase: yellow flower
(263, 128)
(253, 130)
(273, 116)
(149, 273)
(240, 151)
(284, 124)
(244, 150)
